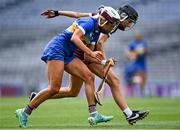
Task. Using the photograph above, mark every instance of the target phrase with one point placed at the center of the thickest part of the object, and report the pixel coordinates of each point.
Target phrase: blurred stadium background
(24, 34)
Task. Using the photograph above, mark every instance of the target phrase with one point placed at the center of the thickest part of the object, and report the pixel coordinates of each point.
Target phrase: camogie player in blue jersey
(58, 55)
(128, 17)
(135, 70)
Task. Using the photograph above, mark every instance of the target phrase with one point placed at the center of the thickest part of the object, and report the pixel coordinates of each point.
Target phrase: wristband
(56, 13)
(103, 62)
(90, 14)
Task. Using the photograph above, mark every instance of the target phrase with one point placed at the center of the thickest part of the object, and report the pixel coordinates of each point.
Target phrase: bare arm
(72, 14)
(100, 44)
(90, 59)
(99, 47)
(78, 42)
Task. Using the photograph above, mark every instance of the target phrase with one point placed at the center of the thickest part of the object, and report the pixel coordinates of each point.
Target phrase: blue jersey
(140, 61)
(61, 47)
(88, 26)
(138, 64)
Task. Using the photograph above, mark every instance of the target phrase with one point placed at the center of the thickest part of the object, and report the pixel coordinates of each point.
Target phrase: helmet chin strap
(121, 27)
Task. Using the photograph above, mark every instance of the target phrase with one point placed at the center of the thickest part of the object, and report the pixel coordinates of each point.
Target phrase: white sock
(127, 112)
(92, 114)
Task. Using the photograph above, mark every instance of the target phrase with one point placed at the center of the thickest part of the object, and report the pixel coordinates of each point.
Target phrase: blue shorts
(130, 71)
(60, 48)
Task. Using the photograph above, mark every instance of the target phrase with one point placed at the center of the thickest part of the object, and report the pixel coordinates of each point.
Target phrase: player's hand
(97, 55)
(111, 61)
(49, 13)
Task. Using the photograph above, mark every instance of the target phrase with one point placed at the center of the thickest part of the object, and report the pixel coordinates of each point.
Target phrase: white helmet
(108, 14)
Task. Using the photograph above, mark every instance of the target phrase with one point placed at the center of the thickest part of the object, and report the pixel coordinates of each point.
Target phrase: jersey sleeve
(85, 25)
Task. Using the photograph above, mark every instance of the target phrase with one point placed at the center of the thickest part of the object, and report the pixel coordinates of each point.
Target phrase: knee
(72, 93)
(114, 81)
(89, 77)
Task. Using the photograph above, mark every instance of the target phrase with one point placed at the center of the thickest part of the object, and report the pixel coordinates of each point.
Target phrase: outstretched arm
(72, 14)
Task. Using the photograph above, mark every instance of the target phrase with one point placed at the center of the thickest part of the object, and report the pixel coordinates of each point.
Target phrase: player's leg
(55, 69)
(114, 84)
(72, 90)
(128, 78)
(79, 69)
(141, 79)
(117, 93)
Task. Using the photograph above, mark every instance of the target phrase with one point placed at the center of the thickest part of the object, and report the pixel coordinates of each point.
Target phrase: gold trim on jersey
(72, 29)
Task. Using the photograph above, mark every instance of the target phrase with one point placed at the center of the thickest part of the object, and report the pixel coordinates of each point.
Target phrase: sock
(28, 110)
(127, 112)
(92, 109)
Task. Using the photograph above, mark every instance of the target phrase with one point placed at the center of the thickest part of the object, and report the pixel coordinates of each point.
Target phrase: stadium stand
(24, 34)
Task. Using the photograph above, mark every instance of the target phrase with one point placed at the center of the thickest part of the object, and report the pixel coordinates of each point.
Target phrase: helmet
(99, 8)
(108, 14)
(127, 12)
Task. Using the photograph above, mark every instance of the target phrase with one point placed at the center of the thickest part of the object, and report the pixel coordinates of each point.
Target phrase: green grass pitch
(72, 114)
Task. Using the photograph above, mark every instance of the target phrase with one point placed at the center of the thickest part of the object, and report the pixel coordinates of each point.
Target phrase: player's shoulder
(88, 20)
(87, 24)
(132, 43)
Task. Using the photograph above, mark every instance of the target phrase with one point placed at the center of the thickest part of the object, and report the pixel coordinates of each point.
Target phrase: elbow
(76, 15)
(100, 42)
